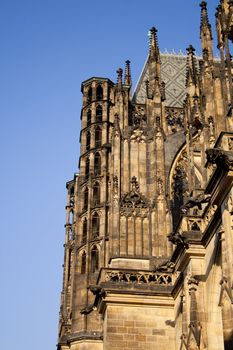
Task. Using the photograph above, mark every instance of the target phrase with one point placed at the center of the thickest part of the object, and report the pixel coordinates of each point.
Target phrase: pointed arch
(99, 92)
(94, 259)
(87, 167)
(95, 225)
(98, 136)
(84, 233)
(96, 194)
(85, 199)
(88, 140)
(89, 94)
(99, 114)
(97, 164)
(89, 117)
(83, 262)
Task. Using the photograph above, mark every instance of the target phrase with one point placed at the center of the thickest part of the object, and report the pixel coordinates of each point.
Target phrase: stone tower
(148, 248)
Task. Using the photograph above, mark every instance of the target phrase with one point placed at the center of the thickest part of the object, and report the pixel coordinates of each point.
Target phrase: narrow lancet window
(87, 168)
(96, 194)
(88, 140)
(94, 259)
(83, 263)
(98, 136)
(88, 117)
(84, 237)
(99, 92)
(89, 94)
(95, 225)
(97, 164)
(85, 199)
(99, 113)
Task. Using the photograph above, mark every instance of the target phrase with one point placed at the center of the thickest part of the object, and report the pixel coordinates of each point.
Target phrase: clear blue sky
(48, 47)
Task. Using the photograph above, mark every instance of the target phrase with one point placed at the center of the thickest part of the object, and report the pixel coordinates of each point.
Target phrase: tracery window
(96, 193)
(98, 136)
(88, 140)
(94, 259)
(99, 113)
(84, 237)
(88, 117)
(95, 223)
(99, 92)
(97, 164)
(85, 199)
(83, 262)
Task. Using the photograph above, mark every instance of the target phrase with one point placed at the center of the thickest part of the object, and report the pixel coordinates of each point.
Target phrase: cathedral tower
(148, 246)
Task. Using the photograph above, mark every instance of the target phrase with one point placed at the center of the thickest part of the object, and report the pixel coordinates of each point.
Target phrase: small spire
(205, 24)
(191, 66)
(128, 80)
(119, 77)
(154, 49)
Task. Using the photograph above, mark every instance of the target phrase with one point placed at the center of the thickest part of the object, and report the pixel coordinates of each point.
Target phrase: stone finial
(205, 26)
(191, 75)
(119, 77)
(128, 80)
(154, 49)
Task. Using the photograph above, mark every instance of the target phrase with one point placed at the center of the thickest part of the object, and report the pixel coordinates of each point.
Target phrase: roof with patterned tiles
(173, 72)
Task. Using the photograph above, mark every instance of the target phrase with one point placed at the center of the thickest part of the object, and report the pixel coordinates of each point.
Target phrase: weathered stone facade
(149, 228)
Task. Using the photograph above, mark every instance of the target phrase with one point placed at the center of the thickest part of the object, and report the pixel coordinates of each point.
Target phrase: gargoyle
(223, 159)
(195, 202)
(168, 266)
(178, 239)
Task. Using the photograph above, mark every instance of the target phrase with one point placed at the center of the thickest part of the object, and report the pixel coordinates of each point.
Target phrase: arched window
(89, 94)
(85, 199)
(83, 262)
(99, 92)
(84, 237)
(98, 136)
(88, 117)
(94, 259)
(88, 140)
(97, 164)
(95, 223)
(99, 112)
(87, 167)
(96, 194)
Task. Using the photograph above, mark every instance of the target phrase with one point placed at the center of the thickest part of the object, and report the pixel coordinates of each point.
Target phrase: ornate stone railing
(137, 277)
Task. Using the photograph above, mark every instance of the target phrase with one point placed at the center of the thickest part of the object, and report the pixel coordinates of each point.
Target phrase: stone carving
(150, 278)
(167, 267)
(115, 184)
(138, 116)
(193, 283)
(225, 289)
(230, 143)
(133, 201)
(197, 201)
(160, 185)
(223, 159)
(178, 240)
(174, 119)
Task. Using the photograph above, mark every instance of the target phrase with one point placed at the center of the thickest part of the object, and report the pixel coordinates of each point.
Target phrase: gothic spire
(206, 31)
(128, 80)
(154, 49)
(192, 76)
